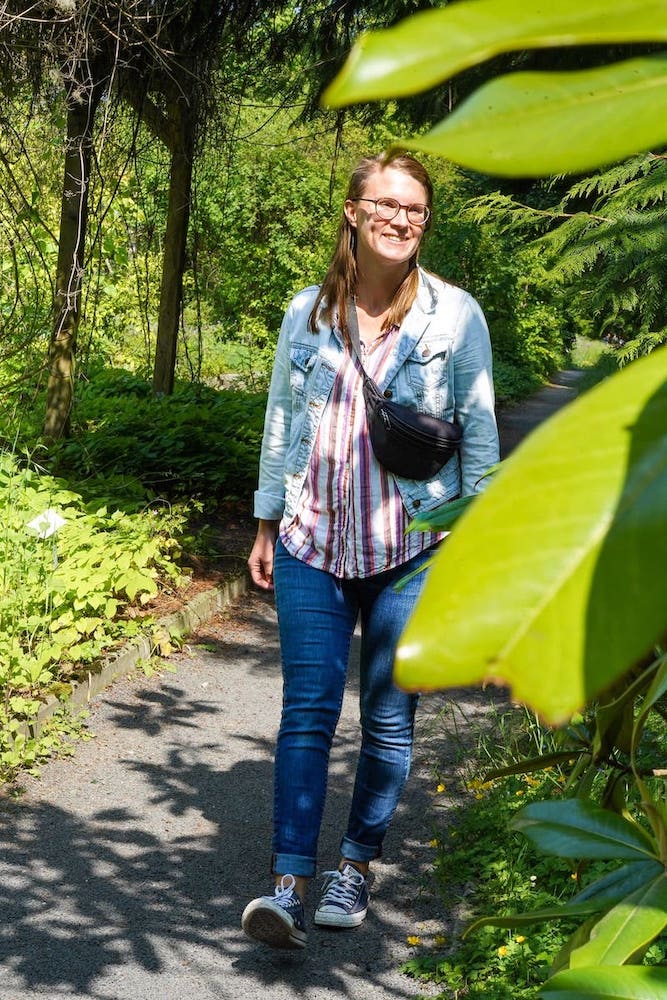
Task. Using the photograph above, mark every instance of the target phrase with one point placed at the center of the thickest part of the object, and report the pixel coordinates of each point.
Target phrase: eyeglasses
(388, 208)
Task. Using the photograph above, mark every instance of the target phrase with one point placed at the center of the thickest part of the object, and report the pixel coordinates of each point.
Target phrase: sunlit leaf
(627, 929)
(516, 125)
(629, 982)
(556, 576)
(435, 45)
(577, 828)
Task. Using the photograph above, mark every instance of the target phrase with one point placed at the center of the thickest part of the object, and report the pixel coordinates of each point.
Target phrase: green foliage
(477, 873)
(572, 529)
(527, 310)
(514, 125)
(536, 893)
(605, 240)
(198, 443)
(66, 597)
(601, 542)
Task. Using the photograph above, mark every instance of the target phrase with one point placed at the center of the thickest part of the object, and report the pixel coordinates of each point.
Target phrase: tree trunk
(69, 274)
(173, 264)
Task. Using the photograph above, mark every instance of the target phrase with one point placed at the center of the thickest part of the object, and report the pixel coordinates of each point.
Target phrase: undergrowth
(73, 579)
(483, 869)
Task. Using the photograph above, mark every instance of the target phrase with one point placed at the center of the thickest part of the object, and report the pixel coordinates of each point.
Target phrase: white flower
(46, 523)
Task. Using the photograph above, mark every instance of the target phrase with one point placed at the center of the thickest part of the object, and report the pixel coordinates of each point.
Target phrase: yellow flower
(519, 939)
(413, 940)
(433, 843)
(502, 951)
(440, 939)
(440, 788)
(519, 792)
(574, 876)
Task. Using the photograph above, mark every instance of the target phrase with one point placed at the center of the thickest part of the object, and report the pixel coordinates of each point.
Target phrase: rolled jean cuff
(293, 864)
(353, 851)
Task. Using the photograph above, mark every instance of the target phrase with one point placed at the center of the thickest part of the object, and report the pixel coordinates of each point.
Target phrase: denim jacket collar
(414, 325)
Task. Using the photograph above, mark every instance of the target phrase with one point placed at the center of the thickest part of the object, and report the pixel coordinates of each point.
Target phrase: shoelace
(285, 891)
(342, 888)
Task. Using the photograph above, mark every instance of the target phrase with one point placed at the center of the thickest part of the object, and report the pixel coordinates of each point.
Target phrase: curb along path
(124, 871)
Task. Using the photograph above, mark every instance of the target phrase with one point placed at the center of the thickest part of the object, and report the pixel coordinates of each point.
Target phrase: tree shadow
(150, 875)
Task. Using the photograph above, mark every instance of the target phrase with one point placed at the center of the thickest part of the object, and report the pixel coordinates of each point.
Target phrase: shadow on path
(123, 872)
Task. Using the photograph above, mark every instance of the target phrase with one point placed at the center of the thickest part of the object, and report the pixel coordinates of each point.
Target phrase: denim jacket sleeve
(283, 423)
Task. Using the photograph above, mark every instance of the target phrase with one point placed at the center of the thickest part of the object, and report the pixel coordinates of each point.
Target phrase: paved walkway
(124, 870)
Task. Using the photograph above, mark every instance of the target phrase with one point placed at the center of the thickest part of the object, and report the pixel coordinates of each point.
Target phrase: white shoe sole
(263, 921)
(326, 918)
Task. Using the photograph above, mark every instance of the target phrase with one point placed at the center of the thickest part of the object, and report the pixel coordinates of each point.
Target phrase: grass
(597, 359)
(503, 874)
(484, 869)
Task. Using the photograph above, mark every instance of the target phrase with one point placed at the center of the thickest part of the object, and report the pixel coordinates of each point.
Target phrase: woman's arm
(474, 396)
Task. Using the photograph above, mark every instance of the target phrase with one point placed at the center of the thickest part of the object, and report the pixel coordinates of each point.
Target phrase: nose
(401, 216)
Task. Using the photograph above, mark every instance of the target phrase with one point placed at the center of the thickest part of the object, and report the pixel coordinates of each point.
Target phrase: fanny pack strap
(353, 331)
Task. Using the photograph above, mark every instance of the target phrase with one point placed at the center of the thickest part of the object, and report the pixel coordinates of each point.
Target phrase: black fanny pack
(406, 442)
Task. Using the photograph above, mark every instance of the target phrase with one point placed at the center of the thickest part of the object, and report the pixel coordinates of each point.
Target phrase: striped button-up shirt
(350, 520)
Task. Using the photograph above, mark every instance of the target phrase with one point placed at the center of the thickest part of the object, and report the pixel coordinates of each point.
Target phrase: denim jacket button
(417, 504)
(387, 393)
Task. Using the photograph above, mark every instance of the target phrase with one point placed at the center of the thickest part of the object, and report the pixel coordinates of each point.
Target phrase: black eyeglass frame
(399, 206)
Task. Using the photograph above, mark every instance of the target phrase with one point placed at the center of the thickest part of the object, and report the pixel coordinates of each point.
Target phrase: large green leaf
(514, 920)
(616, 885)
(626, 930)
(516, 125)
(578, 828)
(606, 983)
(435, 45)
(555, 578)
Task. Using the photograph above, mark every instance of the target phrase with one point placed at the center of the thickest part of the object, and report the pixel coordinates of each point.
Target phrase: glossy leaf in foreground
(628, 982)
(514, 125)
(627, 929)
(577, 828)
(555, 578)
(433, 46)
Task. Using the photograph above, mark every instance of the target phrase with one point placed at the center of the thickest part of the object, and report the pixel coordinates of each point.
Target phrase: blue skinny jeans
(317, 614)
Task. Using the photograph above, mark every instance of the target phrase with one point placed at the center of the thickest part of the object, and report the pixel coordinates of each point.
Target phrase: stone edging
(200, 609)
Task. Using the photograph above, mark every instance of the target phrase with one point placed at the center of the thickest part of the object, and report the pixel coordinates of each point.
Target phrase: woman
(332, 522)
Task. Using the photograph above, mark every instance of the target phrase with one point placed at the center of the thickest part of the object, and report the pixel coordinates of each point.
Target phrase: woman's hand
(260, 560)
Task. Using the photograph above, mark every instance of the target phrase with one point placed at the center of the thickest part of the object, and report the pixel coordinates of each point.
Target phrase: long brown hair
(340, 281)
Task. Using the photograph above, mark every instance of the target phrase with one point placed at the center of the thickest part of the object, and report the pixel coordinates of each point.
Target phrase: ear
(350, 209)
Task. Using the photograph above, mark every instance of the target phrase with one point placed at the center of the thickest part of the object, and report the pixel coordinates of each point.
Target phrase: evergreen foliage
(605, 242)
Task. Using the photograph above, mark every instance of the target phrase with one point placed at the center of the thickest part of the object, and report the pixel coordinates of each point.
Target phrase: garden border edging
(201, 608)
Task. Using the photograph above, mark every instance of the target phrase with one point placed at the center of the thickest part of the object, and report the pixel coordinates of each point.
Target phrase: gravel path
(124, 870)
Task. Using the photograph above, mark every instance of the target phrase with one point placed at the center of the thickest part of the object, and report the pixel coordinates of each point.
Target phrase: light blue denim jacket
(441, 364)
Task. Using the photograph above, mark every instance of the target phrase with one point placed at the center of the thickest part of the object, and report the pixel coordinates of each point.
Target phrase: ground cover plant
(199, 444)
(505, 958)
(73, 577)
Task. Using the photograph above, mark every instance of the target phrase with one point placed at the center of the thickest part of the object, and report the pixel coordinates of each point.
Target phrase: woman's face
(378, 241)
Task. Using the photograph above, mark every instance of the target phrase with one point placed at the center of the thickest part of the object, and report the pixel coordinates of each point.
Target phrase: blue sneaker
(344, 900)
(277, 920)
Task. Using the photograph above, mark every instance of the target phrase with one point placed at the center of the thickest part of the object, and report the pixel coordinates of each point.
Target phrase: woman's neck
(376, 290)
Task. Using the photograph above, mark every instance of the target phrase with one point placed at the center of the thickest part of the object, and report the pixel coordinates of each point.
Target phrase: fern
(611, 253)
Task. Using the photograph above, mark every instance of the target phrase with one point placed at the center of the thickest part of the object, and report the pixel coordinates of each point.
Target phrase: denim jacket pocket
(425, 376)
(302, 360)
